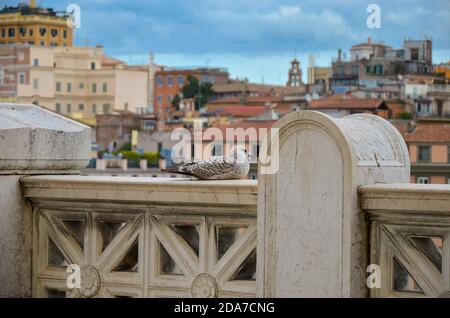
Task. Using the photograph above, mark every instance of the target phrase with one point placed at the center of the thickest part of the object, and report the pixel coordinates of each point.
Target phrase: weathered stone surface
(34, 139)
(312, 235)
(15, 239)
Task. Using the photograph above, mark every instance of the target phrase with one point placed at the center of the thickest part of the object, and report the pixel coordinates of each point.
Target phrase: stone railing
(338, 204)
(139, 237)
(409, 239)
(439, 88)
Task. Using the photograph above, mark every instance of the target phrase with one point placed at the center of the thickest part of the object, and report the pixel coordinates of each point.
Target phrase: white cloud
(284, 20)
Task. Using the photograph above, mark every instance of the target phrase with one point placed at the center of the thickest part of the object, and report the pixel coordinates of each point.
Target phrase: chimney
(339, 55)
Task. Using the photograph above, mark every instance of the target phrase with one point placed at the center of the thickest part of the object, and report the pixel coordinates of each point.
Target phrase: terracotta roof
(346, 102)
(238, 111)
(108, 60)
(425, 132)
(256, 124)
(261, 100)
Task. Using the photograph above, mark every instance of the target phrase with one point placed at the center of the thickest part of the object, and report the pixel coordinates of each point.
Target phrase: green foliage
(130, 155)
(176, 102)
(404, 115)
(200, 92)
(125, 147)
(152, 157)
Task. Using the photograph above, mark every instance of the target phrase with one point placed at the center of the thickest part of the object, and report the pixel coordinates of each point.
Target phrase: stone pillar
(32, 141)
(312, 234)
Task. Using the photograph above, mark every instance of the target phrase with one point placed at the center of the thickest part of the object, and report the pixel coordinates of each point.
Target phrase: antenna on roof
(262, 73)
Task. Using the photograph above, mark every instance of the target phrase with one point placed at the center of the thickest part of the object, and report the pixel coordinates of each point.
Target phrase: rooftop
(25, 9)
(426, 132)
(346, 101)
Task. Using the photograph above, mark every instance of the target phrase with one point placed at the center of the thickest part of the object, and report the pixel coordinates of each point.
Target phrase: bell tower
(295, 74)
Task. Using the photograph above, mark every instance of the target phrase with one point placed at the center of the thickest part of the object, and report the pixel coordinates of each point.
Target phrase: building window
(69, 108)
(159, 80)
(42, 43)
(423, 180)
(94, 88)
(30, 32)
(58, 86)
(65, 34)
(92, 65)
(94, 108)
(42, 31)
(3, 33)
(80, 107)
(54, 33)
(160, 99)
(340, 70)
(105, 87)
(11, 32)
(355, 70)
(424, 153)
(169, 99)
(69, 87)
(35, 83)
(415, 54)
(81, 86)
(180, 80)
(22, 78)
(58, 107)
(36, 62)
(106, 109)
(170, 80)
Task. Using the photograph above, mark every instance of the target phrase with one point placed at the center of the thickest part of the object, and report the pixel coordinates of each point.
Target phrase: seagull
(235, 166)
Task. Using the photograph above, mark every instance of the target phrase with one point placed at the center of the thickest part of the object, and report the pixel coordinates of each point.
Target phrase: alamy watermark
(374, 19)
(75, 16)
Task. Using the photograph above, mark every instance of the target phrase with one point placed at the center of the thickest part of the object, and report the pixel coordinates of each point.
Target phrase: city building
(318, 75)
(115, 130)
(76, 81)
(34, 25)
(418, 56)
(428, 142)
(341, 105)
(377, 62)
(169, 82)
(243, 90)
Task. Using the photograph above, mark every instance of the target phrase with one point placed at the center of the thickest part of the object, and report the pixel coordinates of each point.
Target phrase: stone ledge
(403, 197)
(141, 190)
(35, 139)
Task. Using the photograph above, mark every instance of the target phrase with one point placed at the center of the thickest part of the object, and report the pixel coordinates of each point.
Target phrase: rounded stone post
(312, 235)
(32, 141)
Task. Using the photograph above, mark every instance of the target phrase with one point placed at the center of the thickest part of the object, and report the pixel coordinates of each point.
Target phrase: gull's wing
(209, 168)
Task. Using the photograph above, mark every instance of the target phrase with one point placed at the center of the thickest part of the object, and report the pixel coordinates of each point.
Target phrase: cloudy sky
(252, 38)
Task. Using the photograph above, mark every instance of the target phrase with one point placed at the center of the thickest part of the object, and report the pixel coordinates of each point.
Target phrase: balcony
(335, 218)
(439, 89)
(143, 237)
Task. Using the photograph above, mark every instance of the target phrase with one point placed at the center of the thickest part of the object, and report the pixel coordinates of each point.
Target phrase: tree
(200, 92)
(176, 102)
